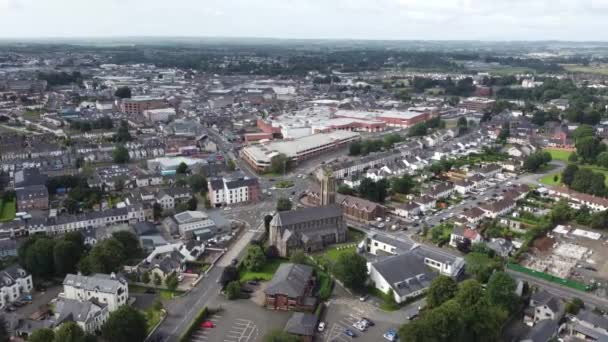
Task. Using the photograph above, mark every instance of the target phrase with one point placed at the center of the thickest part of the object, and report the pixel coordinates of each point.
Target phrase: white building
(16, 281)
(89, 315)
(157, 115)
(109, 289)
(190, 221)
(232, 191)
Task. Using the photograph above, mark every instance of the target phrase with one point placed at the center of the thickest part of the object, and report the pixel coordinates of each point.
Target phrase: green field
(550, 179)
(7, 210)
(559, 154)
(265, 274)
(601, 69)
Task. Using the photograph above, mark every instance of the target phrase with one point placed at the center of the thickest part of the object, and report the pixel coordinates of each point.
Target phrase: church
(310, 229)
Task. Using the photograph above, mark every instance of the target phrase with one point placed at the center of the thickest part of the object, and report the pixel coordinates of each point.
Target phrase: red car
(207, 324)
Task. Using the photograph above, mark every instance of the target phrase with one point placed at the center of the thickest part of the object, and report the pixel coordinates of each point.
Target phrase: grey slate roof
(290, 280)
(286, 218)
(542, 331)
(593, 318)
(75, 310)
(302, 324)
(31, 192)
(405, 273)
(96, 282)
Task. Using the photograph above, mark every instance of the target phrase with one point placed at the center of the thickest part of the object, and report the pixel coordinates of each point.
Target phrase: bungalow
(578, 199)
(461, 234)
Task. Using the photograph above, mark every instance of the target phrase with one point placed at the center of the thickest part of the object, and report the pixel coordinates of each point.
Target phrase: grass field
(550, 179)
(265, 274)
(7, 210)
(152, 318)
(601, 69)
(559, 154)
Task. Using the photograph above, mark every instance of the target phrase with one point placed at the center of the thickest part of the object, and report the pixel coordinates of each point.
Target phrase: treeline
(584, 180)
(61, 78)
(536, 160)
(47, 257)
(86, 126)
(422, 128)
(465, 312)
(463, 87)
(533, 63)
(364, 147)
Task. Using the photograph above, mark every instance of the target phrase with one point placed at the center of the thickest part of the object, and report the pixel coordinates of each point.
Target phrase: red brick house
(291, 289)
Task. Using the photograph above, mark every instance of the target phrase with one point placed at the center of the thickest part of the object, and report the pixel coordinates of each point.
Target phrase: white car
(361, 326)
(321, 327)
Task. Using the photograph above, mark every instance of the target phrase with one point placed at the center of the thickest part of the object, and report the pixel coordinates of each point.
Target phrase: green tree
(574, 306)
(123, 92)
(192, 203)
(172, 281)
(254, 259)
(230, 273)
(42, 335)
(283, 204)
(66, 255)
(123, 135)
(374, 191)
(157, 210)
(130, 243)
(157, 279)
(39, 258)
(182, 168)
(345, 190)
(588, 148)
(233, 290)
(107, 256)
(582, 131)
(125, 325)
(298, 257)
(481, 266)
(198, 183)
(351, 269)
(69, 332)
(120, 155)
(231, 164)
(279, 164)
(462, 123)
(403, 184)
(569, 173)
(281, 336)
(442, 289)
(501, 290)
(355, 149)
(602, 159)
(145, 277)
(267, 220)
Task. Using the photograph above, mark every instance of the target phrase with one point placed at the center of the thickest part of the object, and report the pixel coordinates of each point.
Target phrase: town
(248, 193)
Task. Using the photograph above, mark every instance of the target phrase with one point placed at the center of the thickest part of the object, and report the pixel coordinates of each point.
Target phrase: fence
(548, 277)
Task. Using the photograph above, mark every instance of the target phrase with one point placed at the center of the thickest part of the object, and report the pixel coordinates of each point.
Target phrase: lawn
(7, 210)
(332, 254)
(559, 154)
(265, 274)
(602, 69)
(550, 179)
(284, 184)
(152, 318)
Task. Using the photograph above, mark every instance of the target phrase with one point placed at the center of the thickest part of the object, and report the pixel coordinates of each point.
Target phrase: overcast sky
(357, 19)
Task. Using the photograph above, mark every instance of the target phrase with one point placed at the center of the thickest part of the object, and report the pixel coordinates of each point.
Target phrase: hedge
(204, 313)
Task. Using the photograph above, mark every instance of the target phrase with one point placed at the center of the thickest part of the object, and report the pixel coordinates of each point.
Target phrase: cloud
(359, 19)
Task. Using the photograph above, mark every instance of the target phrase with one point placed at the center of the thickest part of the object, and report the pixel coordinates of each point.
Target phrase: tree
(129, 242)
(374, 191)
(233, 290)
(588, 148)
(69, 332)
(403, 184)
(254, 259)
(172, 281)
(298, 257)
(230, 273)
(505, 133)
(281, 336)
(582, 131)
(125, 325)
(182, 168)
(4, 334)
(283, 204)
(574, 306)
(123, 92)
(120, 155)
(145, 277)
(66, 255)
(231, 165)
(536, 160)
(192, 203)
(42, 335)
(442, 289)
(501, 290)
(271, 252)
(123, 135)
(481, 266)
(351, 269)
(568, 174)
(355, 149)
(39, 258)
(157, 209)
(107, 256)
(267, 220)
(157, 279)
(279, 164)
(198, 183)
(345, 190)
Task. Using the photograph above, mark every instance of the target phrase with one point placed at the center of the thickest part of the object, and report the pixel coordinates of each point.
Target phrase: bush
(233, 290)
(325, 285)
(204, 313)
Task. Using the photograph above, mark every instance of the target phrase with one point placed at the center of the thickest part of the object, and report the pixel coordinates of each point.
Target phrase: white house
(15, 281)
(232, 191)
(89, 315)
(109, 289)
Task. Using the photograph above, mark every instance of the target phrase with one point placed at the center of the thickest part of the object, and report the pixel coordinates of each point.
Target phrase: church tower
(328, 188)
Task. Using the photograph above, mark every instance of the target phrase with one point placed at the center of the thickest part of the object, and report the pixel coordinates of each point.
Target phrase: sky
(578, 20)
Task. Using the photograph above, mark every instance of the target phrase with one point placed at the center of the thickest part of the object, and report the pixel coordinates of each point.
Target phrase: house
(544, 331)
(461, 234)
(463, 186)
(303, 325)
(108, 289)
(578, 199)
(501, 247)
(473, 215)
(291, 288)
(361, 209)
(405, 274)
(488, 170)
(498, 208)
(170, 197)
(233, 191)
(589, 326)
(440, 191)
(425, 202)
(15, 281)
(90, 315)
(308, 229)
(8, 248)
(32, 197)
(543, 306)
(408, 210)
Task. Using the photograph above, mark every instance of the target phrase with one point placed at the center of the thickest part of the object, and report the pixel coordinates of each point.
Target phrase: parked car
(321, 327)
(363, 298)
(360, 326)
(368, 321)
(207, 324)
(350, 333)
(390, 335)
